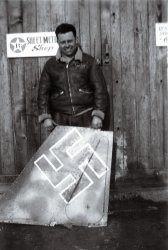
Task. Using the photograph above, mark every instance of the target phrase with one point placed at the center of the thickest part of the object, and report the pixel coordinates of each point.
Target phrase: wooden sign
(31, 44)
(66, 182)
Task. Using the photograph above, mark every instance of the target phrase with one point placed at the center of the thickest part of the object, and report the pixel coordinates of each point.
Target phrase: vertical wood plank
(72, 14)
(164, 58)
(128, 81)
(106, 52)
(7, 165)
(43, 25)
(105, 29)
(142, 83)
(117, 88)
(95, 35)
(105, 8)
(156, 88)
(57, 13)
(31, 81)
(18, 90)
(166, 99)
(84, 25)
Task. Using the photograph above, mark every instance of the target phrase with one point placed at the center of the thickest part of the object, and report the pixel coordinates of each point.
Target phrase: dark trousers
(83, 120)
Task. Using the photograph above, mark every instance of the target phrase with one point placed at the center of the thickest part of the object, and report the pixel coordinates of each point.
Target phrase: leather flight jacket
(72, 88)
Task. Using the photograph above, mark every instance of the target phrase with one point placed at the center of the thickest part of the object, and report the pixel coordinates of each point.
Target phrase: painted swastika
(65, 165)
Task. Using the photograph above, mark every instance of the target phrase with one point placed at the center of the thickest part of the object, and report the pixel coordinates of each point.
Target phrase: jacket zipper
(69, 86)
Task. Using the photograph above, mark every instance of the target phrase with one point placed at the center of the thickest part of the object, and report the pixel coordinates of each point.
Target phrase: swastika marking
(70, 168)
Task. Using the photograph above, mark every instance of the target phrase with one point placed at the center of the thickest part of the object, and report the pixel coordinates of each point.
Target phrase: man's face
(67, 44)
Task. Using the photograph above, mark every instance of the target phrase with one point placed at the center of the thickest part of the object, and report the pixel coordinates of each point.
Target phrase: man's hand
(96, 122)
(49, 124)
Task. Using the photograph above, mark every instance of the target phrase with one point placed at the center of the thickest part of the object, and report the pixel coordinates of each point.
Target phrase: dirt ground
(133, 224)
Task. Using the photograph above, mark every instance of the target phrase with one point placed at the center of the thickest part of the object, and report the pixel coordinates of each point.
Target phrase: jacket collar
(78, 55)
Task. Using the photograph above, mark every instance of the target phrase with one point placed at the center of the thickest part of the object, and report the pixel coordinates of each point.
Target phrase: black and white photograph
(83, 124)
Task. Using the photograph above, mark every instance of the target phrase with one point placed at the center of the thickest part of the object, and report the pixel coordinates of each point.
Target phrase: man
(72, 90)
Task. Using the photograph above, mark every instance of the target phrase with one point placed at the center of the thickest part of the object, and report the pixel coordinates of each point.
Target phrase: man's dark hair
(64, 28)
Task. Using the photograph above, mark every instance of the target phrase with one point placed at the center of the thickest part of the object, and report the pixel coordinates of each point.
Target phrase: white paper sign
(35, 44)
(161, 34)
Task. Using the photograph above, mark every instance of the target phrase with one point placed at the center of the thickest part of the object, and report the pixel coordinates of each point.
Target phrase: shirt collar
(78, 55)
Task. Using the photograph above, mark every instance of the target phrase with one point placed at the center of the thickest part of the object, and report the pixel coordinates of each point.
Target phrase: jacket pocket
(57, 94)
(85, 91)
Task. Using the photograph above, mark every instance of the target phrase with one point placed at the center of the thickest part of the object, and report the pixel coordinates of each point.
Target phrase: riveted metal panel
(66, 182)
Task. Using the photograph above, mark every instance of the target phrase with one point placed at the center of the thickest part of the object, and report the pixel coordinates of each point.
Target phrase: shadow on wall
(108, 117)
(113, 166)
(137, 176)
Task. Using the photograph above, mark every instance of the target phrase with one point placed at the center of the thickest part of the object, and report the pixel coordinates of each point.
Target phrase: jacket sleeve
(100, 90)
(43, 96)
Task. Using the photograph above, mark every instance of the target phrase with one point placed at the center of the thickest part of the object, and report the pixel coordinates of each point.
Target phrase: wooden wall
(119, 33)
